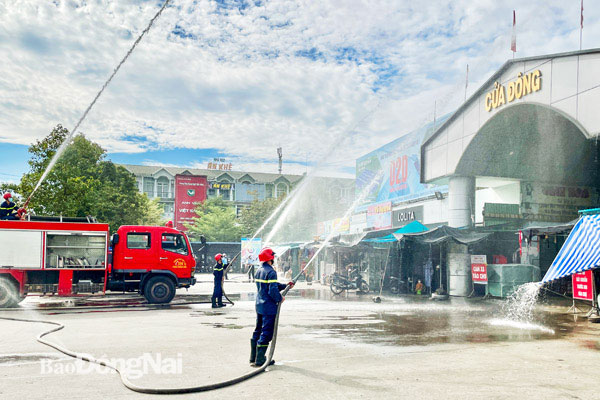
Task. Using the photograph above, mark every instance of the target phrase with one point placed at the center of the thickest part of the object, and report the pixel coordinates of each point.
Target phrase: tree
(215, 220)
(252, 217)
(83, 183)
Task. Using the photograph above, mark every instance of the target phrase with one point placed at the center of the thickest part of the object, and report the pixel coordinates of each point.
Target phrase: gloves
(291, 284)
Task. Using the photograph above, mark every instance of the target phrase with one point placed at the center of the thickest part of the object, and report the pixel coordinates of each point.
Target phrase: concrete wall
(570, 84)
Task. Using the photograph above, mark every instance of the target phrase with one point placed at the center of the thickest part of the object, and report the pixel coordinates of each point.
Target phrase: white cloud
(243, 79)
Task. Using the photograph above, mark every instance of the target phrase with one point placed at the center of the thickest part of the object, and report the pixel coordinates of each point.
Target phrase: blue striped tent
(581, 250)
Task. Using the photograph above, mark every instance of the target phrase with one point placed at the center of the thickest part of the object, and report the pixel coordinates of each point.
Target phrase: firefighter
(8, 209)
(267, 299)
(217, 297)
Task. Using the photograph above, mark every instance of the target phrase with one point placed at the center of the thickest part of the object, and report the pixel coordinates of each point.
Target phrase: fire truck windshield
(174, 243)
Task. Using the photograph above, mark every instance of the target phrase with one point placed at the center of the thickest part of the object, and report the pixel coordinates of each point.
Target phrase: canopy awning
(581, 250)
(444, 233)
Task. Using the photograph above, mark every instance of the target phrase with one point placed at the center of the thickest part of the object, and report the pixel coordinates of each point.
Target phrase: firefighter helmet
(7, 195)
(218, 257)
(266, 254)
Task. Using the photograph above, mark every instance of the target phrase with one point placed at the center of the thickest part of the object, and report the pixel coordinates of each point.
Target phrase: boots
(252, 352)
(220, 302)
(261, 358)
(214, 302)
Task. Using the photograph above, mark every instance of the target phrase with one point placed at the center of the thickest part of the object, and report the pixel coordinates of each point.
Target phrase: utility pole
(280, 155)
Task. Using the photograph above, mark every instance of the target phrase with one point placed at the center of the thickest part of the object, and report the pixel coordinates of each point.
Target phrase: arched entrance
(524, 142)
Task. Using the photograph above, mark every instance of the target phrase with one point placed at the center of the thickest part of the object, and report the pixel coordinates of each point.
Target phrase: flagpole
(581, 28)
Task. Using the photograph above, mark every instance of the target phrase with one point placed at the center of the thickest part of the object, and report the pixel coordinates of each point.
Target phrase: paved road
(329, 348)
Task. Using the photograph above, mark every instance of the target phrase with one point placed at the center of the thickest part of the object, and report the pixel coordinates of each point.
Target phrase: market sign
(479, 269)
(220, 164)
(338, 225)
(379, 216)
(190, 190)
(583, 285)
(521, 87)
(220, 185)
(406, 215)
(555, 203)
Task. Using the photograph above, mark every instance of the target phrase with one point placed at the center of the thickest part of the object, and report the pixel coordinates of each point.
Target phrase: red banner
(583, 287)
(190, 190)
(479, 269)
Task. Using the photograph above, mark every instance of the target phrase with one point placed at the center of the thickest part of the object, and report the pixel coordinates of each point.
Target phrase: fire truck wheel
(159, 290)
(9, 294)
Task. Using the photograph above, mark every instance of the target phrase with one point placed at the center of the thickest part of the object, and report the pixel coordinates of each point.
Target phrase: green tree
(215, 220)
(253, 216)
(84, 183)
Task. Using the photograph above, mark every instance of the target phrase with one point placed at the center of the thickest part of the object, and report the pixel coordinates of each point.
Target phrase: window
(174, 243)
(149, 187)
(212, 192)
(225, 194)
(281, 190)
(162, 187)
(138, 241)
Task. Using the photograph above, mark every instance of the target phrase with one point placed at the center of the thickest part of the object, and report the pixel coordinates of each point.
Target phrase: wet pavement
(329, 346)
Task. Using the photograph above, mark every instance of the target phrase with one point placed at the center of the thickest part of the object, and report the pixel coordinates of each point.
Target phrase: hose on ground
(152, 390)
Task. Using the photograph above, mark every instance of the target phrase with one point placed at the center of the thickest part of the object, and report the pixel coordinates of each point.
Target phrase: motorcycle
(339, 283)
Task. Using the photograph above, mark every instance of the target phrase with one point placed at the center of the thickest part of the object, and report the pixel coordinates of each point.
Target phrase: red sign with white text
(479, 269)
(583, 287)
(190, 190)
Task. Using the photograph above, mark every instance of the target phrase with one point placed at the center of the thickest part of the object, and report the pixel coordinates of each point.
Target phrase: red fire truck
(73, 256)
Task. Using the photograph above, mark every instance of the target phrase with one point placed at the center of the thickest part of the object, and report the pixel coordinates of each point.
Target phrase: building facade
(241, 188)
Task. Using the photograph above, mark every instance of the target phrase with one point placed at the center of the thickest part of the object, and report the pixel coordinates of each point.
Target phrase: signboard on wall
(583, 285)
(190, 190)
(379, 216)
(338, 225)
(400, 163)
(249, 192)
(479, 269)
(406, 216)
(250, 249)
(555, 203)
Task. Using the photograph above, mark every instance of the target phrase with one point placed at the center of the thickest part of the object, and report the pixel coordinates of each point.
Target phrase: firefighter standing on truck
(217, 297)
(267, 299)
(8, 209)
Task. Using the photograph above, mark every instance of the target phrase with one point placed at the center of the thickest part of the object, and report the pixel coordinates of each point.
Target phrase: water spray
(70, 136)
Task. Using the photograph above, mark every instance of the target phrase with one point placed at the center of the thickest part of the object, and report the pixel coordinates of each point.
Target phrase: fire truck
(77, 256)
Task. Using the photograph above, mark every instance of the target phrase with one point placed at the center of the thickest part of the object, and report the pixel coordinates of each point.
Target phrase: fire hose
(150, 390)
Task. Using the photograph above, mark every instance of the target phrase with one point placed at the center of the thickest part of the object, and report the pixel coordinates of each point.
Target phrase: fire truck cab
(70, 256)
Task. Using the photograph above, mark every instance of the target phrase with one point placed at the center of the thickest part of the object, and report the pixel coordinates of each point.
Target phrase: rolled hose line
(150, 390)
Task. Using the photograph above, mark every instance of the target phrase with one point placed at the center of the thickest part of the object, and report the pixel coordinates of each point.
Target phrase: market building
(520, 155)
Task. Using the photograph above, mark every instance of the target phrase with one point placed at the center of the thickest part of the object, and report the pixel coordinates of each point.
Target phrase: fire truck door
(65, 282)
(173, 253)
(137, 252)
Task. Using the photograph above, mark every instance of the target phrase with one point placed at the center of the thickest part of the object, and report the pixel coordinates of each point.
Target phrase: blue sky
(328, 81)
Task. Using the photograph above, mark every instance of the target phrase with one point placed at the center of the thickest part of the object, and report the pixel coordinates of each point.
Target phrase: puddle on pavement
(222, 325)
(410, 325)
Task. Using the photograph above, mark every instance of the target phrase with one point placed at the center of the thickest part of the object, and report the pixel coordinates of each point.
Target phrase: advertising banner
(190, 190)
(250, 249)
(338, 225)
(583, 287)
(479, 269)
(555, 203)
(249, 192)
(379, 216)
(400, 161)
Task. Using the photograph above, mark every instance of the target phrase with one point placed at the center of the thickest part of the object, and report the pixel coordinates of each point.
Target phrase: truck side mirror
(202, 239)
(115, 239)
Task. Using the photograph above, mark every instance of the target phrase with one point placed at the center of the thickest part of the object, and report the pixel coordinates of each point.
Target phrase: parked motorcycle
(339, 283)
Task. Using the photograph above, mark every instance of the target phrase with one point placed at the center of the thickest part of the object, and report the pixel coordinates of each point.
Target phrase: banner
(338, 225)
(250, 250)
(583, 287)
(479, 269)
(400, 161)
(379, 216)
(248, 192)
(555, 203)
(190, 190)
